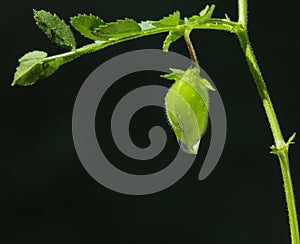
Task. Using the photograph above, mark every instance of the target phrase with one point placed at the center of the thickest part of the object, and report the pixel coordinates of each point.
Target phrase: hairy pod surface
(187, 107)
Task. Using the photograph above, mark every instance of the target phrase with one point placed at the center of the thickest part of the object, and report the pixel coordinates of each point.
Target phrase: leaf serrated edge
(118, 21)
(175, 13)
(91, 36)
(70, 45)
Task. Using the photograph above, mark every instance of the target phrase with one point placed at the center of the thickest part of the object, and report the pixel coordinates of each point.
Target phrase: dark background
(47, 196)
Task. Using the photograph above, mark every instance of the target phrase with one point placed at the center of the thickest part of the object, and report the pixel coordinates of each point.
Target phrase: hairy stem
(290, 197)
(281, 147)
(261, 87)
(190, 46)
(280, 144)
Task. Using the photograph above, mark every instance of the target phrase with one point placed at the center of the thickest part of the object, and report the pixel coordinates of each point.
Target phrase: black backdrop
(47, 196)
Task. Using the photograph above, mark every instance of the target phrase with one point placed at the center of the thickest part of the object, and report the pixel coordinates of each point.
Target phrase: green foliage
(118, 29)
(192, 22)
(203, 17)
(55, 28)
(171, 20)
(187, 106)
(172, 37)
(104, 35)
(86, 25)
(30, 65)
(33, 68)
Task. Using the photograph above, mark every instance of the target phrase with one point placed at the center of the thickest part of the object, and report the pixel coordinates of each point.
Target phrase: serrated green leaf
(203, 17)
(171, 20)
(118, 29)
(55, 28)
(172, 37)
(87, 24)
(33, 68)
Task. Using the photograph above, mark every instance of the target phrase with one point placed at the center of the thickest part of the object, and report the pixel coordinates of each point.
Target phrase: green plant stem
(243, 13)
(290, 198)
(281, 147)
(98, 45)
(213, 24)
(261, 87)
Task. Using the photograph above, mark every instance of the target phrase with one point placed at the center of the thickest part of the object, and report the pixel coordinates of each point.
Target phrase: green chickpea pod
(187, 106)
